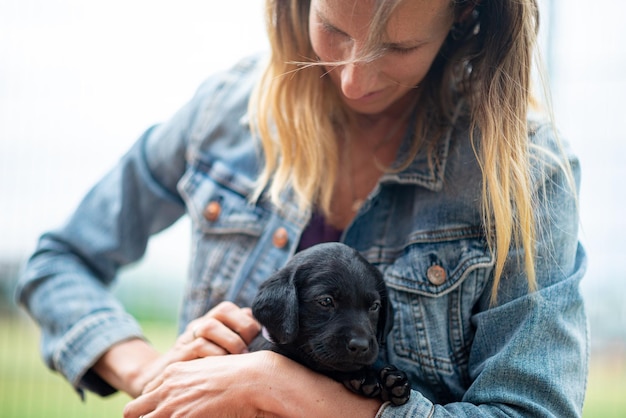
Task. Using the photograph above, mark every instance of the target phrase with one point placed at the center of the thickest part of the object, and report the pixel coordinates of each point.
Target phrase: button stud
(280, 237)
(212, 211)
(436, 275)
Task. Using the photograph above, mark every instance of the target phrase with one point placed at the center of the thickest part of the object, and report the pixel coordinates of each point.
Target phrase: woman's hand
(213, 386)
(259, 384)
(225, 329)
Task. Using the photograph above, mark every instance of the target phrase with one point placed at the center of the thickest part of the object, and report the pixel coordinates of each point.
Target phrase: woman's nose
(358, 79)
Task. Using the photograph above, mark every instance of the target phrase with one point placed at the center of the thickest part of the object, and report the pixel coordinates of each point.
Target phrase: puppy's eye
(326, 301)
(375, 307)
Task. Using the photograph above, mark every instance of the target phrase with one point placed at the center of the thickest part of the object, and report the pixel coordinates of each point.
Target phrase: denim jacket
(525, 355)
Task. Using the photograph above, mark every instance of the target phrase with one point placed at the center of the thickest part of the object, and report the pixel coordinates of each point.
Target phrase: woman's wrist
(124, 365)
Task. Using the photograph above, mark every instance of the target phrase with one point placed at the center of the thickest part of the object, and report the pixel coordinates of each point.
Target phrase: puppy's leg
(395, 386)
(389, 384)
(364, 382)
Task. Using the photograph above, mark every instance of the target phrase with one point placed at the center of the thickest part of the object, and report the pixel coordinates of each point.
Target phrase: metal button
(436, 275)
(212, 211)
(280, 237)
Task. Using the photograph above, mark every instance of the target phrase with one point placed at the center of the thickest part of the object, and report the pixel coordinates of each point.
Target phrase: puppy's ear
(385, 319)
(276, 306)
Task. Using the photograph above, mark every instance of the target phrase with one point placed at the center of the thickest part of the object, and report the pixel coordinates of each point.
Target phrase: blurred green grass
(29, 390)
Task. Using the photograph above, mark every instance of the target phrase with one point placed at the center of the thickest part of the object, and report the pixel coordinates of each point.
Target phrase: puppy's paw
(395, 386)
(364, 383)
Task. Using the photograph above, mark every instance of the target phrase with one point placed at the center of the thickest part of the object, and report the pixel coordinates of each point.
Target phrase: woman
(402, 128)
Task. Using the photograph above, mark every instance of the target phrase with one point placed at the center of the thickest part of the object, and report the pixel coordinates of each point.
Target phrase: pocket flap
(434, 268)
(217, 200)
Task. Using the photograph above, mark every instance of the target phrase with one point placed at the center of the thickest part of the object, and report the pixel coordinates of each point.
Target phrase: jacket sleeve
(65, 283)
(529, 356)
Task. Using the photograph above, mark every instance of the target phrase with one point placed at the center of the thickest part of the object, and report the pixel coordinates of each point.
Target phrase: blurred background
(80, 81)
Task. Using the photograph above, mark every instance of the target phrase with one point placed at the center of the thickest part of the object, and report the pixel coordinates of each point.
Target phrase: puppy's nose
(358, 345)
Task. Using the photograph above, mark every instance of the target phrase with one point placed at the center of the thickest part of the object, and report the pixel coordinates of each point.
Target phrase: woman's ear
(466, 12)
(465, 20)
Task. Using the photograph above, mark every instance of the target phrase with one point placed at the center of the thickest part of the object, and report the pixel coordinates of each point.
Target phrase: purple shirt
(317, 231)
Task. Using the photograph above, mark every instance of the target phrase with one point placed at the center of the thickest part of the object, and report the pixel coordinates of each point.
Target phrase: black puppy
(328, 309)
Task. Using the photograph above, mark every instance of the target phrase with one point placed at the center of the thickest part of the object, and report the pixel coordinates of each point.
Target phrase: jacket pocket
(217, 201)
(433, 287)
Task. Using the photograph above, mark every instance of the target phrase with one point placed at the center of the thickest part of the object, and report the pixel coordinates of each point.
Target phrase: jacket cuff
(86, 342)
(418, 406)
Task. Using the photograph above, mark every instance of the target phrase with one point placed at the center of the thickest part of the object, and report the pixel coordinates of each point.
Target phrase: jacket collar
(427, 168)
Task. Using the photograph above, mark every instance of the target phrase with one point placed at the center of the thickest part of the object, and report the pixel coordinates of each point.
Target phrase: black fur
(328, 309)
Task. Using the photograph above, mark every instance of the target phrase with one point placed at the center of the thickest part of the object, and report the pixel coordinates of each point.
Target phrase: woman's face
(413, 36)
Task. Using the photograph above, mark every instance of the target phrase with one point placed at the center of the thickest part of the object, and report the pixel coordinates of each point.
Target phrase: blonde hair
(487, 58)
(288, 100)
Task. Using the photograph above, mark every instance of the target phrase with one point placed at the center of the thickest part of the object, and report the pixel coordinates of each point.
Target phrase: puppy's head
(327, 307)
